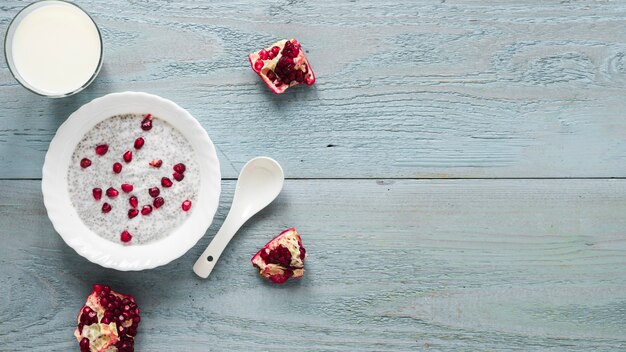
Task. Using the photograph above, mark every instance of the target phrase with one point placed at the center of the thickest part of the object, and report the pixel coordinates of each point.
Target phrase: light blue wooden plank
(405, 88)
(456, 265)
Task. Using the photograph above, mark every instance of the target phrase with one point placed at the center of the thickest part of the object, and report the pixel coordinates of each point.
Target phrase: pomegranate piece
(178, 177)
(128, 156)
(126, 187)
(156, 163)
(102, 149)
(282, 65)
(180, 168)
(133, 201)
(106, 207)
(132, 213)
(107, 319)
(186, 205)
(166, 182)
(112, 192)
(85, 163)
(158, 202)
(282, 257)
(146, 123)
(139, 143)
(97, 193)
(125, 237)
(154, 191)
(146, 210)
(117, 168)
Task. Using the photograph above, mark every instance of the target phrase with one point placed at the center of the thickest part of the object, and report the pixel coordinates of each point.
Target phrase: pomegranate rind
(300, 62)
(289, 239)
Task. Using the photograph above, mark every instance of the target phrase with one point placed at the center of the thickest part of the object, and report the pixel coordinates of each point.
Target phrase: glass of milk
(53, 48)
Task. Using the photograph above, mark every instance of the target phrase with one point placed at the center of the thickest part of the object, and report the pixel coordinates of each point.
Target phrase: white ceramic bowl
(66, 220)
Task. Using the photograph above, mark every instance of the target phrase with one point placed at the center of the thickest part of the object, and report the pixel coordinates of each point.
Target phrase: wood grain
(406, 89)
(395, 265)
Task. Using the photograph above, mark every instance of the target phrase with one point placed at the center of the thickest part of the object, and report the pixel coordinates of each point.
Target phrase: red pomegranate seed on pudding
(128, 156)
(166, 182)
(106, 207)
(186, 205)
(127, 187)
(147, 209)
(102, 149)
(125, 237)
(85, 163)
(139, 143)
(146, 123)
(133, 201)
(180, 168)
(97, 193)
(178, 177)
(132, 213)
(156, 163)
(154, 191)
(112, 192)
(158, 202)
(117, 168)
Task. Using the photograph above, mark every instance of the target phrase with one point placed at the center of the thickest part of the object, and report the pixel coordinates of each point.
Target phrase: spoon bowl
(259, 183)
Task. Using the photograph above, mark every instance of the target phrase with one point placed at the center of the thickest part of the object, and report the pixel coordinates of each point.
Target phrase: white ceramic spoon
(260, 181)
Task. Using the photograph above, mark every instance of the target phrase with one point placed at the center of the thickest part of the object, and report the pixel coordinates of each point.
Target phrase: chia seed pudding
(115, 169)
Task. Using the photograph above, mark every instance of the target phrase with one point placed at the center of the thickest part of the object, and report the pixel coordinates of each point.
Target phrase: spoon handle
(205, 264)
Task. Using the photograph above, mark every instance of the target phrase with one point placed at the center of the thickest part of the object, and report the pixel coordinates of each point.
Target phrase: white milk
(56, 48)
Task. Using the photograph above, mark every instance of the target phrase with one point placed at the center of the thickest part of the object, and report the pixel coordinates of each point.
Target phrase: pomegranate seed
(84, 344)
(156, 163)
(158, 202)
(128, 156)
(258, 65)
(132, 213)
(105, 320)
(102, 149)
(166, 182)
(97, 287)
(117, 168)
(84, 163)
(186, 205)
(127, 187)
(147, 209)
(133, 201)
(178, 177)
(275, 50)
(97, 193)
(112, 192)
(126, 236)
(263, 54)
(299, 76)
(106, 207)
(154, 191)
(146, 123)
(271, 75)
(139, 143)
(180, 168)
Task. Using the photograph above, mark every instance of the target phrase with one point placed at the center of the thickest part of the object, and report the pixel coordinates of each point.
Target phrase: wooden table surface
(457, 172)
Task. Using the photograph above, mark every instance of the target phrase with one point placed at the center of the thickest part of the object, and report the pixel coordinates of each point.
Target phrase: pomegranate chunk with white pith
(282, 65)
(281, 258)
(107, 322)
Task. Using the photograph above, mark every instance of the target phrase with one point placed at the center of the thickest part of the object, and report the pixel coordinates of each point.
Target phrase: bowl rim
(65, 218)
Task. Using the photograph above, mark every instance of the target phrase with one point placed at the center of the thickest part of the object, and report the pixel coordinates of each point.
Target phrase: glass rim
(11, 65)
